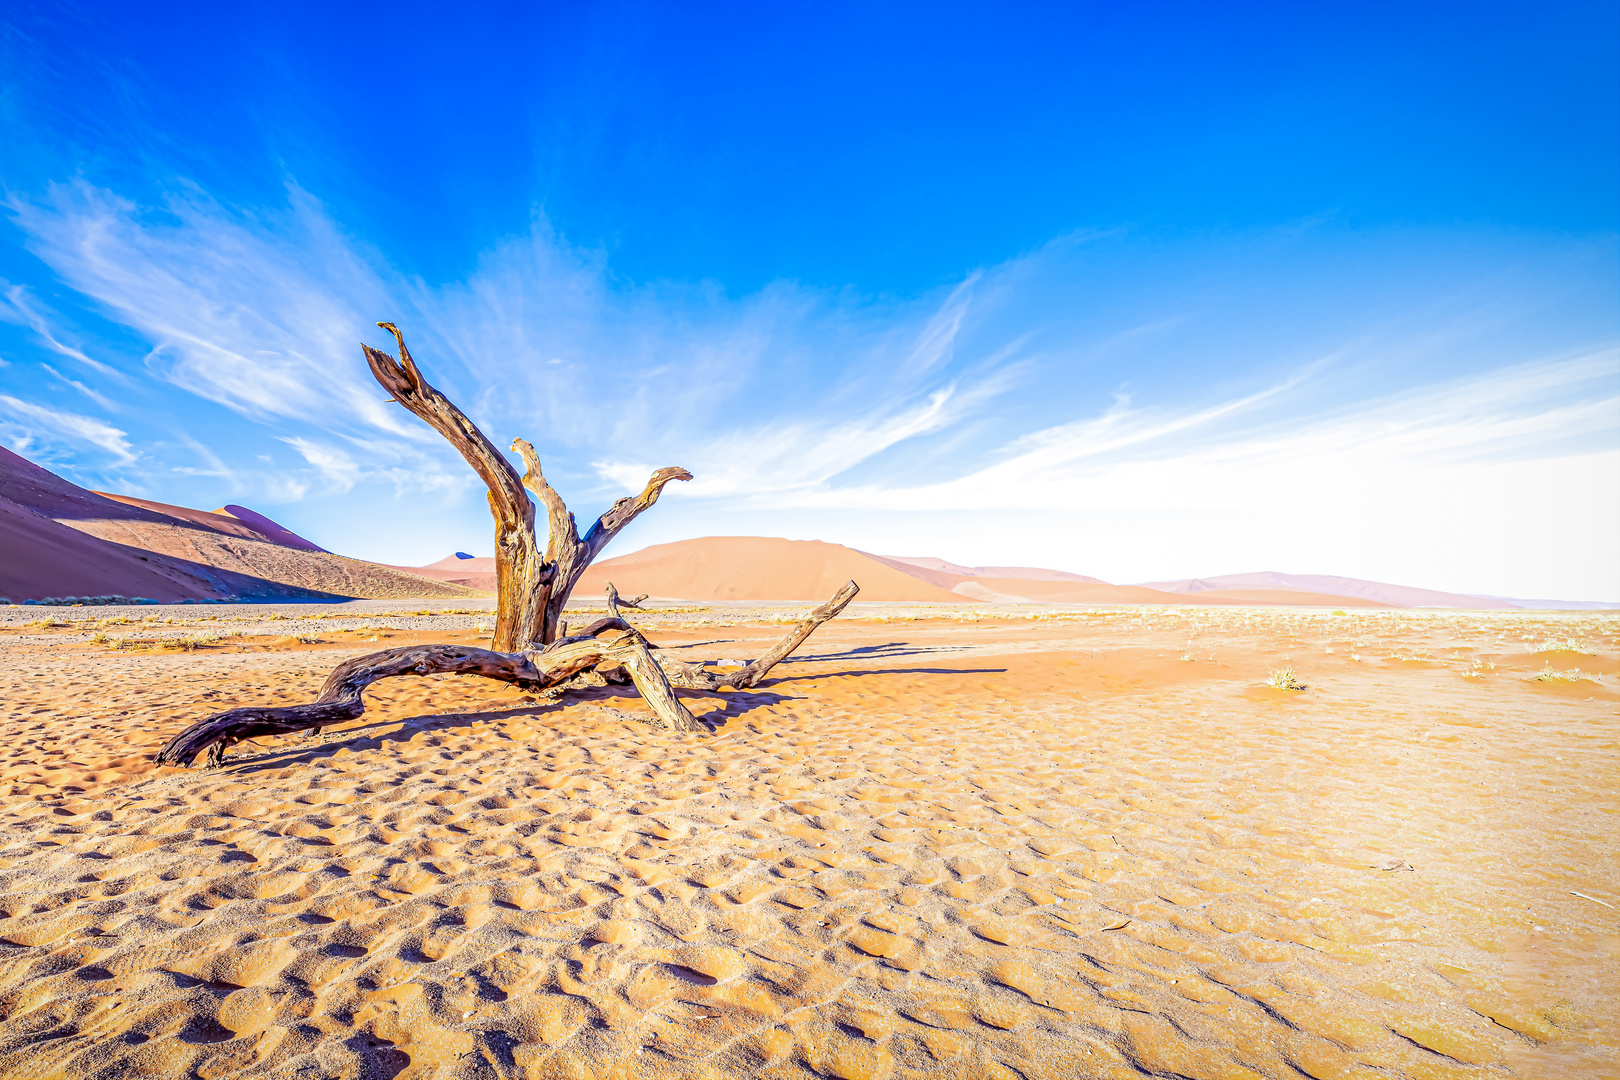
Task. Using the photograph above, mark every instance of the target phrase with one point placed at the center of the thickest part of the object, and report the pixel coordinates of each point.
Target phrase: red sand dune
(62, 540)
(46, 558)
(1381, 593)
(475, 573)
(754, 568)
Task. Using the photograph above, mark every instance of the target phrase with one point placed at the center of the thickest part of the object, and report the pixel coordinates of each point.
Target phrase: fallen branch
(341, 698)
(614, 600)
(584, 654)
(694, 677)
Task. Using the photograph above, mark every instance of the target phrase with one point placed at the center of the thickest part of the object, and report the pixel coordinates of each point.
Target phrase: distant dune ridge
(1376, 591)
(469, 572)
(58, 540)
(762, 568)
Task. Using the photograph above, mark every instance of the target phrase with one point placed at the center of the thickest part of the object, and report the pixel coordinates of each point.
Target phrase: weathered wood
(531, 647)
(565, 550)
(614, 600)
(695, 677)
(341, 699)
(531, 589)
(522, 578)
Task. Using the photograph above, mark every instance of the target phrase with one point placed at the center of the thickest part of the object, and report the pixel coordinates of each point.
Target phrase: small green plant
(1550, 675)
(1479, 669)
(1563, 645)
(100, 638)
(1284, 679)
(1340, 611)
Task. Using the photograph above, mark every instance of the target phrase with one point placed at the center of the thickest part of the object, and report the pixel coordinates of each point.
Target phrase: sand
(945, 842)
(62, 540)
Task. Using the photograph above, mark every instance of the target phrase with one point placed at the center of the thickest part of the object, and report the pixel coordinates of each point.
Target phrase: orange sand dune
(1039, 591)
(757, 568)
(1379, 592)
(754, 568)
(202, 555)
(46, 558)
(956, 571)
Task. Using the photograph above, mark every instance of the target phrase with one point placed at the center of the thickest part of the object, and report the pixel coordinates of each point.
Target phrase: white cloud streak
(788, 399)
(26, 418)
(19, 308)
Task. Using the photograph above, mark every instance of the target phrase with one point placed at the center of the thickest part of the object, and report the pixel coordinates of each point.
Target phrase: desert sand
(61, 540)
(943, 841)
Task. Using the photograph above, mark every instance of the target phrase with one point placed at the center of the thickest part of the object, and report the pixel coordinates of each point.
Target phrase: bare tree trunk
(565, 551)
(531, 590)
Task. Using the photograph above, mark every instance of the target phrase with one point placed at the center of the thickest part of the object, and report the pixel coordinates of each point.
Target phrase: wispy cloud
(1031, 388)
(25, 419)
(1150, 459)
(258, 314)
(17, 306)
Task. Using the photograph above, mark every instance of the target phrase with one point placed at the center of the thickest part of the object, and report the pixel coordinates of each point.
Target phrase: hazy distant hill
(1324, 584)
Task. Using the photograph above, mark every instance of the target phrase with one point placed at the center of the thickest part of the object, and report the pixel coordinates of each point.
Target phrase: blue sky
(1139, 291)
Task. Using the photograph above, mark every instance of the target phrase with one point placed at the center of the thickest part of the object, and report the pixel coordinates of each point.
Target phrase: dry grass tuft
(1284, 679)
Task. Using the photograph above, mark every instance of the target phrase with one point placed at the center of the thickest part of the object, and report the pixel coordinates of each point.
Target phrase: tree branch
(341, 698)
(614, 600)
(404, 381)
(626, 510)
(687, 676)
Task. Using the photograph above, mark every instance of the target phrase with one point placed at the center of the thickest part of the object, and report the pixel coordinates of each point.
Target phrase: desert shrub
(1284, 679)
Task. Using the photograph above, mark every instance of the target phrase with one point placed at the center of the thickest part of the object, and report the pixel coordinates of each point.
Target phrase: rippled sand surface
(1079, 846)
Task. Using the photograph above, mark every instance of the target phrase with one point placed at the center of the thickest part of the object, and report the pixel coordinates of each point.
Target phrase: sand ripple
(921, 856)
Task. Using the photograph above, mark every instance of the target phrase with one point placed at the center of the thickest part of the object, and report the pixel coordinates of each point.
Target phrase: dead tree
(531, 588)
(529, 648)
(615, 601)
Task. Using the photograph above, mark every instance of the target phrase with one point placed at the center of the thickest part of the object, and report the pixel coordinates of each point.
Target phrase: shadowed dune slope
(199, 558)
(46, 558)
(220, 523)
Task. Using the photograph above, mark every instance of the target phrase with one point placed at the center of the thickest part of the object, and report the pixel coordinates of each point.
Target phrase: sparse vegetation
(1284, 679)
(1564, 645)
(1549, 674)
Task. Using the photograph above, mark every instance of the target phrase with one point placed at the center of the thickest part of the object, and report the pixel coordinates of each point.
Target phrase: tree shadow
(738, 703)
(876, 652)
(889, 671)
